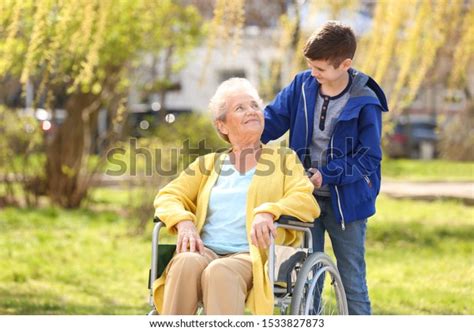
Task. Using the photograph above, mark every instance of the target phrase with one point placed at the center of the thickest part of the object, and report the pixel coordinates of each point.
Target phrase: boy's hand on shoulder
(316, 178)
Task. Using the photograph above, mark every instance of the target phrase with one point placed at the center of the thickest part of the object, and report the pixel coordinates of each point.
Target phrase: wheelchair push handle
(290, 220)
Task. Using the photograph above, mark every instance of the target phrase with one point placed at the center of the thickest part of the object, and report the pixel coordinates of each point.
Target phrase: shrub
(21, 157)
(457, 137)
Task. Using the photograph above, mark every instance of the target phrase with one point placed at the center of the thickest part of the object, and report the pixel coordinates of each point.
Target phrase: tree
(85, 51)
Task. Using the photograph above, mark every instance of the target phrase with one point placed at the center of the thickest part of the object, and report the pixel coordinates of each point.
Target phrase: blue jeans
(349, 248)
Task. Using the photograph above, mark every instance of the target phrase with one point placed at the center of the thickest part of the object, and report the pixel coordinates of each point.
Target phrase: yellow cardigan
(279, 186)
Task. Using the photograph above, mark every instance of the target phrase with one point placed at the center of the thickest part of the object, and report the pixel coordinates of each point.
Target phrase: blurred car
(413, 137)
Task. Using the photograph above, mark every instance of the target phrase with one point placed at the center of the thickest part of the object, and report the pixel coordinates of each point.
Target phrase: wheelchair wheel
(318, 277)
(153, 312)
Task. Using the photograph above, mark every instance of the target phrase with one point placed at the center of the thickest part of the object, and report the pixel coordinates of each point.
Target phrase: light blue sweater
(224, 231)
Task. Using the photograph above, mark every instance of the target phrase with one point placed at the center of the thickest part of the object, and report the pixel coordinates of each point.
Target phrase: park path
(429, 190)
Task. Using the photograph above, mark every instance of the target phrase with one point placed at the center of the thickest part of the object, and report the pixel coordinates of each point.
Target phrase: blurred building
(207, 69)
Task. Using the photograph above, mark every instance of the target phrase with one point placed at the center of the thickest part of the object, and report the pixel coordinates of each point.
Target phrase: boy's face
(325, 72)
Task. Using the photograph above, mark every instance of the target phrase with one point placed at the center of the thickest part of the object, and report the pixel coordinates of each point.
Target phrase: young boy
(334, 114)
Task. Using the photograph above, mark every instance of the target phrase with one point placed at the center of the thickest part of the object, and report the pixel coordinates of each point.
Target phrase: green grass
(70, 262)
(54, 261)
(420, 257)
(433, 170)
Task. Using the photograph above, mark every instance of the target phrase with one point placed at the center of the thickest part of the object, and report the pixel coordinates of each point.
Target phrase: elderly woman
(223, 208)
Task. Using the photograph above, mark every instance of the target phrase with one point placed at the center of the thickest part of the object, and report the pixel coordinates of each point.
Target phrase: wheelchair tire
(318, 268)
(153, 312)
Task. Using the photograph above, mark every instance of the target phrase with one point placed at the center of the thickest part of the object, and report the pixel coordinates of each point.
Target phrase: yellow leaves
(68, 171)
(120, 115)
(227, 22)
(431, 41)
(226, 26)
(395, 14)
(86, 75)
(369, 47)
(411, 42)
(81, 38)
(287, 31)
(96, 88)
(464, 51)
(64, 39)
(409, 54)
(38, 37)
(60, 41)
(238, 18)
(334, 7)
(7, 52)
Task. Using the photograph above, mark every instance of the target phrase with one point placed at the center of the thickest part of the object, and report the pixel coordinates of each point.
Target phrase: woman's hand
(188, 238)
(262, 227)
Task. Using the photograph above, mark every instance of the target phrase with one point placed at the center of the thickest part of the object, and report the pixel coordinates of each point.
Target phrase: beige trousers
(221, 283)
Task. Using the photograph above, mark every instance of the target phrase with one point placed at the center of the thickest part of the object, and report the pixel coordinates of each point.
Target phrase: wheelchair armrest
(161, 254)
(290, 220)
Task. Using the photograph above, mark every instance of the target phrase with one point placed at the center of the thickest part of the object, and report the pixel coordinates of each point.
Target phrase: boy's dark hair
(333, 42)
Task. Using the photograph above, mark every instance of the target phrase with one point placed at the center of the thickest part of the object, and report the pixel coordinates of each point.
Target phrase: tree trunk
(67, 153)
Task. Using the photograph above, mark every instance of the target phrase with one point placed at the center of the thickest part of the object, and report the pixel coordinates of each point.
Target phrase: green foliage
(81, 43)
(21, 157)
(195, 128)
(21, 134)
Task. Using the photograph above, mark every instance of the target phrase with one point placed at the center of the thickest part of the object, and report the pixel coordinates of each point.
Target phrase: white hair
(218, 106)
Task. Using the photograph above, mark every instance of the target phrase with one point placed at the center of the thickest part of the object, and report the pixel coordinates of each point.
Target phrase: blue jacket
(354, 152)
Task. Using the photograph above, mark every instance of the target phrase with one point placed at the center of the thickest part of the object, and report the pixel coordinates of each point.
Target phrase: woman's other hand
(188, 238)
(262, 228)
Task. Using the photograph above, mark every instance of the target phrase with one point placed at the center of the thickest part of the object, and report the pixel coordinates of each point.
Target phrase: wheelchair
(307, 282)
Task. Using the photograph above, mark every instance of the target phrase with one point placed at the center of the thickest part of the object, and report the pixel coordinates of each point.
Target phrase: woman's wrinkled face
(243, 121)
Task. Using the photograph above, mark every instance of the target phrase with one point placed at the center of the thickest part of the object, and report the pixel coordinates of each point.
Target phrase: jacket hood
(365, 86)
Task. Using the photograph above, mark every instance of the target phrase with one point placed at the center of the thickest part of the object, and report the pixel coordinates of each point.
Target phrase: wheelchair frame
(284, 302)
